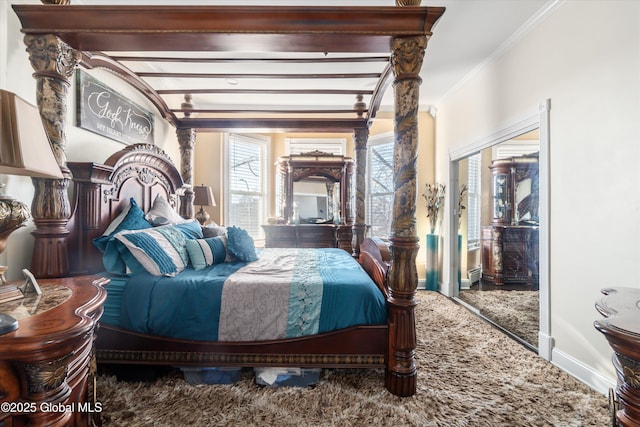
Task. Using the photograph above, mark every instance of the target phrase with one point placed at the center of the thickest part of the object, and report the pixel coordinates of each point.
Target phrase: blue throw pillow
(206, 252)
(131, 218)
(190, 228)
(240, 244)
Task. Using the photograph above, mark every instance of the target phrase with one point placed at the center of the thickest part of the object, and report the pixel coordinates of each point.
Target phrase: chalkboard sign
(103, 111)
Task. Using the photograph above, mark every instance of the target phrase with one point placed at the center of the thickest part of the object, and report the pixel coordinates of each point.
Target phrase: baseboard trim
(545, 345)
(582, 372)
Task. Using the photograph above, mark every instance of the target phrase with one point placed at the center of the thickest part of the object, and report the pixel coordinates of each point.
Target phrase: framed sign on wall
(102, 110)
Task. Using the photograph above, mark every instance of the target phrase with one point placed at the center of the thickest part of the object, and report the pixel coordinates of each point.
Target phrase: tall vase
(432, 262)
(459, 261)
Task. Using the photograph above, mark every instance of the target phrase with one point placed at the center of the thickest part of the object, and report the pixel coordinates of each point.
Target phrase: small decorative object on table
(30, 283)
(8, 292)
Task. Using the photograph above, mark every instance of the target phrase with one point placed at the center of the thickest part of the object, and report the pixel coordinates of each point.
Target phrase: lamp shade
(203, 196)
(24, 146)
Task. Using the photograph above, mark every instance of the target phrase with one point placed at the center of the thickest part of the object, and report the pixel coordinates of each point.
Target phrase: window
(474, 198)
(379, 200)
(246, 173)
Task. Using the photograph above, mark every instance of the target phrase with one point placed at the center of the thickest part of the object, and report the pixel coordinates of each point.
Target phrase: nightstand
(46, 363)
(621, 327)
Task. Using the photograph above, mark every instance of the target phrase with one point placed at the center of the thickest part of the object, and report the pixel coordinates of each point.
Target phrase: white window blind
(246, 183)
(379, 200)
(474, 201)
(335, 146)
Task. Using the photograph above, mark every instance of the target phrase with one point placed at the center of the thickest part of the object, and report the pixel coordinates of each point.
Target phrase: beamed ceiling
(290, 67)
(286, 68)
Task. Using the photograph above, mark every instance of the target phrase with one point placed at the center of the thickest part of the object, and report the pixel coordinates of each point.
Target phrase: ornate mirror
(315, 188)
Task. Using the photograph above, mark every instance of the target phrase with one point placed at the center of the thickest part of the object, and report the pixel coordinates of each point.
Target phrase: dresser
(621, 327)
(308, 236)
(46, 364)
(510, 254)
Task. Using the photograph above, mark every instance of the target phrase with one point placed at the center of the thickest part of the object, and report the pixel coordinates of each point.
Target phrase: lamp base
(202, 216)
(13, 215)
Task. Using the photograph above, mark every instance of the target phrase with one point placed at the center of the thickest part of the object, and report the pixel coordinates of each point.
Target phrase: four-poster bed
(58, 38)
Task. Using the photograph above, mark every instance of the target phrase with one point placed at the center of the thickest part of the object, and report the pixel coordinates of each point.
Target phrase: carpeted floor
(469, 374)
(516, 311)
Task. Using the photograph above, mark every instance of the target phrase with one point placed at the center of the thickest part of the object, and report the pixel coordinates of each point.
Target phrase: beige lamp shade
(203, 196)
(24, 150)
(24, 146)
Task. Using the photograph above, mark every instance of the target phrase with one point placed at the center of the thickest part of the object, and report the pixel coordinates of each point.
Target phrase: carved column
(330, 185)
(361, 137)
(54, 63)
(406, 60)
(187, 140)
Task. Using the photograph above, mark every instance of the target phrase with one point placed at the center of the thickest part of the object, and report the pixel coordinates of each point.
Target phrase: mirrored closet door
(499, 235)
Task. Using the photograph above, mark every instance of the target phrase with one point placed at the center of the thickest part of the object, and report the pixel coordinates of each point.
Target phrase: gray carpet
(469, 374)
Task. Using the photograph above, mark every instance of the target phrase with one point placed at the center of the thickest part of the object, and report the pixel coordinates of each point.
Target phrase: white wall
(585, 57)
(16, 76)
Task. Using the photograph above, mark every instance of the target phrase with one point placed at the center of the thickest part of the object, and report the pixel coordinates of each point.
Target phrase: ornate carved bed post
(187, 140)
(406, 60)
(361, 137)
(54, 63)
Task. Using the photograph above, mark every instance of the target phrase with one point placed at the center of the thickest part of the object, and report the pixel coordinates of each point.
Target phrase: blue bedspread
(286, 293)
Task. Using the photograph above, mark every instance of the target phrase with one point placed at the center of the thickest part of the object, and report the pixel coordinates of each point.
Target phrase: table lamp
(203, 196)
(24, 150)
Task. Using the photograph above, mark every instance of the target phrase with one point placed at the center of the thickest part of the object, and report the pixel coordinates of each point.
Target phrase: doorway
(470, 283)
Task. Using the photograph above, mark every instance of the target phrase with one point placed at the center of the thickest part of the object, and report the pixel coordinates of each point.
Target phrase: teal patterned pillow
(161, 251)
(206, 252)
(240, 244)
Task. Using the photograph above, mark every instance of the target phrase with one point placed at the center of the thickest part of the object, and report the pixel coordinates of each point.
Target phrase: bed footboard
(375, 259)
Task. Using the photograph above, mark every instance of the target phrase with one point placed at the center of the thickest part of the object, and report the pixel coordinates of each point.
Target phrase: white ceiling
(469, 33)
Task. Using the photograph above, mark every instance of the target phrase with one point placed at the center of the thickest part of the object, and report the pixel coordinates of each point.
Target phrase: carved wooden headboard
(101, 191)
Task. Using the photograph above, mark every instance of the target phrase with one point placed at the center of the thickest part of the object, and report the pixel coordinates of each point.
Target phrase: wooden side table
(621, 327)
(45, 364)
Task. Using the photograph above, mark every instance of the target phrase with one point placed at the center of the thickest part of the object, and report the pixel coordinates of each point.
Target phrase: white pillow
(213, 230)
(162, 213)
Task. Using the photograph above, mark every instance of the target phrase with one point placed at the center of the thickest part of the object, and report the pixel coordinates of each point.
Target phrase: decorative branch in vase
(461, 207)
(434, 196)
